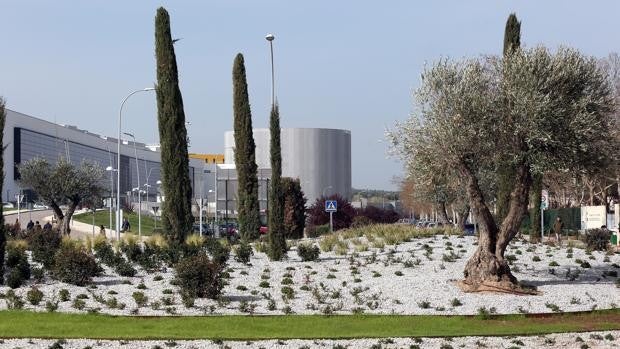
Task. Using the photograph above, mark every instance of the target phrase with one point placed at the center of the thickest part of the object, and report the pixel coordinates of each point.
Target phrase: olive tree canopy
(63, 184)
(538, 109)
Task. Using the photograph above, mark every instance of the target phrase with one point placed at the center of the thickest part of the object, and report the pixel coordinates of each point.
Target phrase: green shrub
(124, 268)
(287, 292)
(243, 252)
(140, 299)
(308, 252)
(64, 295)
(597, 239)
(317, 230)
(44, 244)
(15, 278)
(34, 296)
(73, 265)
(17, 261)
(130, 246)
(219, 253)
(104, 251)
(197, 276)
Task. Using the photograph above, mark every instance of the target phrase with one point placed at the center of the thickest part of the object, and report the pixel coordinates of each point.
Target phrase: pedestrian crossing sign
(331, 205)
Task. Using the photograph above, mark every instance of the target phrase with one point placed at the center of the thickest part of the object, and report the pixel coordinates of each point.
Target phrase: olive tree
(540, 110)
(63, 184)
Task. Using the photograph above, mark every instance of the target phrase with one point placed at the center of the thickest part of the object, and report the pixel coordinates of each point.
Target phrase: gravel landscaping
(364, 274)
(607, 339)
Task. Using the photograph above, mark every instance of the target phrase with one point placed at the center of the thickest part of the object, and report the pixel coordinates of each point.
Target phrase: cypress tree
(176, 213)
(535, 201)
(2, 229)
(245, 157)
(505, 172)
(277, 241)
(512, 34)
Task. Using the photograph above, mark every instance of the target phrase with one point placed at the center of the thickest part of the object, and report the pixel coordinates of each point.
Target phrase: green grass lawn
(103, 218)
(22, 324)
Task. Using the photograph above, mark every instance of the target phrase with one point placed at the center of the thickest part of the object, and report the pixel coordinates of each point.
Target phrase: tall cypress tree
(277, 241)
(535, 202)
(506, 172)
(2, 229)
(177, 216)
(245, 156)
(512, 34)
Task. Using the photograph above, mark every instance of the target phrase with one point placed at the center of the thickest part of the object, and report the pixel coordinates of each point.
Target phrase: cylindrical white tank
(319, 157)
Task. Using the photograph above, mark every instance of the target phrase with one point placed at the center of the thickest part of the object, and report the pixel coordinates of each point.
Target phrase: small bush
(124, 268)
(597, 239)
(14, 279)
(34, 296)
(219, 253)
(64, 295)
(243, 252)
(308, 252)
(44, 244)
(317, 230)
(287, 292)
(17, 260)
(130, 246)
(199, 277)
(73, 265)
(140, 298)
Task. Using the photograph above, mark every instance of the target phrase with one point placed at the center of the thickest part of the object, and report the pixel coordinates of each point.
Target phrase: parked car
(206, 229)
(7, 205)
(229, 231)
(40, 206)
(263, 229)
(470, 230)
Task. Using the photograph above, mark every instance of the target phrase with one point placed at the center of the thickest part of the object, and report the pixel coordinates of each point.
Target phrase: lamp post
(147, 185)
(118, 161)
(158, 195)
(324, 189)
(135, 149)
(112, 170)
(270, 38)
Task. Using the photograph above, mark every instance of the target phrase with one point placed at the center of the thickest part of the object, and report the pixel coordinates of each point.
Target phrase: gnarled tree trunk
(461, 217)
(487, 267)
(443, 214)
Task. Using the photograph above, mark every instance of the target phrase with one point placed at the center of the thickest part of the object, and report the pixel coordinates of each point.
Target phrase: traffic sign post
(331, 206)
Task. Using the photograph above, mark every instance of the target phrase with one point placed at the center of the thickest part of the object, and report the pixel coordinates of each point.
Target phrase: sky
(338, 64)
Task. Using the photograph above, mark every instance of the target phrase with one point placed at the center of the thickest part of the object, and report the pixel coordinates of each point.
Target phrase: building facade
(27, 137)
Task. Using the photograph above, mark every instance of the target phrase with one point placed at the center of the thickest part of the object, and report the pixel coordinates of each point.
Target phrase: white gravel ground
(368, 281)
(601, 340)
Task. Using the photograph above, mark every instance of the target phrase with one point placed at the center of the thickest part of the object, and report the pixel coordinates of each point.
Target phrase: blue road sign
(331, 205)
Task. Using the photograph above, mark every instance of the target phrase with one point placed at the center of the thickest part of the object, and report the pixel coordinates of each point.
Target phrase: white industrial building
(26, 137)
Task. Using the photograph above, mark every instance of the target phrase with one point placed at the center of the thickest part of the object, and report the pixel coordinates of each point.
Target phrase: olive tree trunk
(487, 267)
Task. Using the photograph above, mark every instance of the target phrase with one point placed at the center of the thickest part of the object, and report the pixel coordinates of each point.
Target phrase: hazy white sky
(339, 64)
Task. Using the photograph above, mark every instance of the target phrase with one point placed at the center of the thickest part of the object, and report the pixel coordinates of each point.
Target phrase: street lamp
(135, 149)
(118, 161)
(112, 170)
(270, 38)
(324, 189)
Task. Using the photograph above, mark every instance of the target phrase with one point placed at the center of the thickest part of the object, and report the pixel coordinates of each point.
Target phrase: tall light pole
(118, 161)
(270, 37)
(135, 149)
(112, 170)
(328, 187)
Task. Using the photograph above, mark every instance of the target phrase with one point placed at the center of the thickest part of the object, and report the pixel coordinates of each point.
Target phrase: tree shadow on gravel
(563, 275)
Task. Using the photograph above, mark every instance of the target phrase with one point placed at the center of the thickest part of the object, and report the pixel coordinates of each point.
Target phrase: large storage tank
(319, 157)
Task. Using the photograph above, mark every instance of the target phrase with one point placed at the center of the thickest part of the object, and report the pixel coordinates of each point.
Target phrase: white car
(40, 207)
(7, 205)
